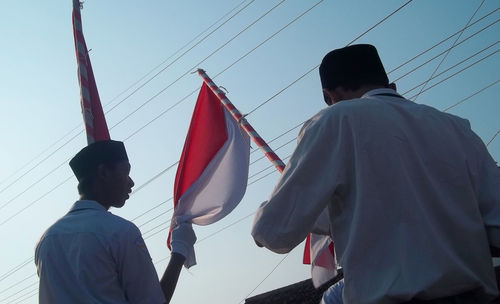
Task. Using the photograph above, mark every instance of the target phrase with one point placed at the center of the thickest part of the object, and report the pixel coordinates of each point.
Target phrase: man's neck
(90, 197)
(363, 90)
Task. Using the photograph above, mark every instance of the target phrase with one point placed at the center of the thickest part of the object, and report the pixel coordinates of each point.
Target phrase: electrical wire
(446, 55)
(429, 88)
(187, 44)
(36, 200)
(456, 73)
(81, 124)
(127, 116)
(470, 96)
(493, 138)
(440, 42)
(26, 262)
(359, 36)
(265, 278)
(446, 50)
(20, 299)
(182, 55)
(18, 292)
(371, 28)
(196, 65)
(16, 268)
(224, 70)
(283, 145)
(454, 66)
(17, 283)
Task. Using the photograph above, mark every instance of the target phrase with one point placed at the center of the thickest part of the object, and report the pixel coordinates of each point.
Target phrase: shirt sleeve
(315, 170)
(139, 279)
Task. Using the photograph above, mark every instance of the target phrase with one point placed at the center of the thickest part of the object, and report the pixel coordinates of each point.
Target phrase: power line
(446, 55)
(38, 199)
(167, 224)
(385, 18)
(441, 42)
(270, 37)
(493, 138)
(80, 125)
(18, 292)
(17, 283)
(146, 212)
(183, 54)
(470, 96)
(456, 73)
(283, 145)
(16, 268)
(171, 198)
(315, 67)
(186, 44)
(20, 299)
(448, 49)
(262, 177)
(196, 65)
(31, 169)
(34, 184)
(359, 36)
(267, 276)
(224, 70)
(497, 133)
(155, 177)
(453, 66)
(380, 22)
(34, 158)
(262, 16)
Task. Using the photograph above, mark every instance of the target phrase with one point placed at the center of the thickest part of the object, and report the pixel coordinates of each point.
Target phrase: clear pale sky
(39, 97)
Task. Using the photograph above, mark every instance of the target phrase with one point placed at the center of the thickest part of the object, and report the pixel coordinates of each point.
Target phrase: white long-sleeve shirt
(93, 256)
(412, 194)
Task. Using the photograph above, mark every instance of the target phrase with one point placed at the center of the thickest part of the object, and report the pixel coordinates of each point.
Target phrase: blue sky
(39, 96)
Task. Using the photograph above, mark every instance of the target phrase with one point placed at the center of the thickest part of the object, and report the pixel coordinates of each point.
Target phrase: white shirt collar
(380, 91)
(87, 204)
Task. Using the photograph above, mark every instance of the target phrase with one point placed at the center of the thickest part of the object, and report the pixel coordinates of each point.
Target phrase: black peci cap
(352, 64)
(100, 152)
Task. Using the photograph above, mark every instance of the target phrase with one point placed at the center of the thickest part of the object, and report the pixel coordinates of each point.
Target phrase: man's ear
(327, 96)
(332, 96)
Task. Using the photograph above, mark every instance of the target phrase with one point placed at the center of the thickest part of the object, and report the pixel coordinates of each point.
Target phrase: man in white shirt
(93, 256)
(412, 194)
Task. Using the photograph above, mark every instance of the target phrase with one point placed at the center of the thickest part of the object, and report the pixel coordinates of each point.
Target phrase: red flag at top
(212, 174)
(93, 115)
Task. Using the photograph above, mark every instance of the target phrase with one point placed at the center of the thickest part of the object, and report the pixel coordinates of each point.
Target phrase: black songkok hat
(100, 152)
(358, 64)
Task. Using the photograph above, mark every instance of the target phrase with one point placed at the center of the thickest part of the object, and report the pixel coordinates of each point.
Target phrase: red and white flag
(93, 115)
(319, 252)
(212, 174)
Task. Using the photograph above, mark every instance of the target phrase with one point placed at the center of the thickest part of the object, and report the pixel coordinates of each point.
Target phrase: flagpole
(258, 140)
(93, 115)
(81, 56)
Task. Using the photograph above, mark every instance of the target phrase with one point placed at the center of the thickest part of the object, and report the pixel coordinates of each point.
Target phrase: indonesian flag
(319, 252)
(212, 174)
(93, 115)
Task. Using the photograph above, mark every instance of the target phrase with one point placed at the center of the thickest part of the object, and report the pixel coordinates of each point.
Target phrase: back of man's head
(352, 67)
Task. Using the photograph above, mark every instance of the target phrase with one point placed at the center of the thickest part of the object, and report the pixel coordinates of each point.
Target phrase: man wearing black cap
(412, 194)
(93, 256)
